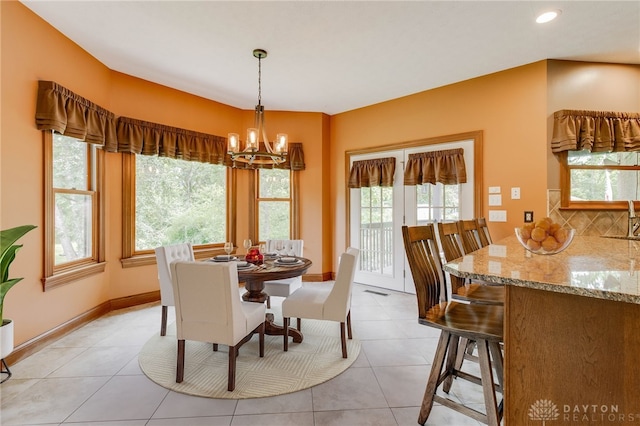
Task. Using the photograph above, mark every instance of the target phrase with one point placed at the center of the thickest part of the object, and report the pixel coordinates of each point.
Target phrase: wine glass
(263, 248)
(279, 247)
(228, 248)
(247, 244)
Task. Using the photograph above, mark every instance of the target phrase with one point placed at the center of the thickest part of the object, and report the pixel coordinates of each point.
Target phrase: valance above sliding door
(67, 113)
(446, 167)
(376, 172)
(595, 131)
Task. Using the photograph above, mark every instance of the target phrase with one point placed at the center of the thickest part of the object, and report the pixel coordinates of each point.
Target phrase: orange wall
(507, 106)
(32, 50)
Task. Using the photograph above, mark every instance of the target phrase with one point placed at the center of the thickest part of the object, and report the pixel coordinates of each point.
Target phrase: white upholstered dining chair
(286, 286)
(209, 309)
(164, 256)
(325, 302)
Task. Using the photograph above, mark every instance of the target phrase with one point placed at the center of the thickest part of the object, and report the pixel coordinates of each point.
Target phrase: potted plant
(7, 253)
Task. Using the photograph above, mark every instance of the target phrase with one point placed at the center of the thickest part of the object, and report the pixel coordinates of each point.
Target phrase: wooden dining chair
(478, 322)
(450, 239)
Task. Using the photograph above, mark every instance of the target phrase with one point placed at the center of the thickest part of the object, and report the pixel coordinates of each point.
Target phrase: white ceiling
(336, 56)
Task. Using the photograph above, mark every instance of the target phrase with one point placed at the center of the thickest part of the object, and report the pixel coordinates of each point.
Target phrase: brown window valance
(595, 131)
(146, 138)
(376, 172)
(446, 167)
(65, 112)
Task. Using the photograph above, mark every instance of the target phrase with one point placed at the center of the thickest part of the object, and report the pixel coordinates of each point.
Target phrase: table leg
(273, 329)
(254, 292)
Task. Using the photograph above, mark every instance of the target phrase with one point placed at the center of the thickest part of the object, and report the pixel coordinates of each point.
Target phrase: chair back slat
(451, 247)
(469, 235)
(483, 231)
(424, 261)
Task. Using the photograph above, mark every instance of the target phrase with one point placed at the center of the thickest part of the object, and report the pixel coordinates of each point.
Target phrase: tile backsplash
(587, 222)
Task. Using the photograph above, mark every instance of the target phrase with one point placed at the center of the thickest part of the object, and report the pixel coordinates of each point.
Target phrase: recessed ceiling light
(548, 16)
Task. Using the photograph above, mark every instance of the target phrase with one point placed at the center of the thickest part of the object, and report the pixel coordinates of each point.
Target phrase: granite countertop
(606, 268)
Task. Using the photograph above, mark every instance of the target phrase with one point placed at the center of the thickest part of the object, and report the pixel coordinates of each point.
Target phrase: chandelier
(271, 155)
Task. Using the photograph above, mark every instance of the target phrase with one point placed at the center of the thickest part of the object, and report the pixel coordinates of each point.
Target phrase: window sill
(150, 258)
(72, 275)
(595, 205)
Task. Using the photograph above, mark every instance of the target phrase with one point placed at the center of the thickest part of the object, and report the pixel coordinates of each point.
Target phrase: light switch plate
(494, 190)
(515, 193)
(497, 215)
(495, 199)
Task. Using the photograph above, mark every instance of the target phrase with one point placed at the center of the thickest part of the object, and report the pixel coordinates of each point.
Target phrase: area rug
(317, 359)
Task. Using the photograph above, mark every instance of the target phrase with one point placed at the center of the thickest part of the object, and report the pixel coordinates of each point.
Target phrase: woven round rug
(317, 359)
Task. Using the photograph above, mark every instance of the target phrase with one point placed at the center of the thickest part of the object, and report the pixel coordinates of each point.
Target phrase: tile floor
(91, 377)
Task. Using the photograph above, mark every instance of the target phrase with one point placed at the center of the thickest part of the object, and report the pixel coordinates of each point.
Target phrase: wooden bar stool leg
(434, 376)
(496, 361)
(452, 356)
(488, 386)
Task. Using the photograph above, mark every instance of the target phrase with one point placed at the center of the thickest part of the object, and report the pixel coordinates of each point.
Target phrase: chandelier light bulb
(548, 16)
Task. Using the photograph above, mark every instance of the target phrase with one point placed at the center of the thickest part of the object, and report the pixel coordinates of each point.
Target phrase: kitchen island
(571, 329)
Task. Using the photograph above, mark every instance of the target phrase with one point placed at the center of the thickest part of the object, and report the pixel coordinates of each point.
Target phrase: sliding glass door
(376, 215)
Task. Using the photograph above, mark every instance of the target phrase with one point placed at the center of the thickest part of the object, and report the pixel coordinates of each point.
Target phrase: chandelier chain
(259, 80)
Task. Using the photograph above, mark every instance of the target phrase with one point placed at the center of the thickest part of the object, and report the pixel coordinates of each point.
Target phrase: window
(437, 203)
(593, 179)
(74, 235)
(274, 204)
(174, 201)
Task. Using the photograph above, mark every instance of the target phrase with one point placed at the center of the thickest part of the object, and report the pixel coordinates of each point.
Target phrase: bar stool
(478, 322)
(451, 240)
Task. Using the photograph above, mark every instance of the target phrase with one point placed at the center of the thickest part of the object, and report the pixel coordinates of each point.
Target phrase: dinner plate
(223, 258)
(280, 263)
(245, 266)
(287, 260)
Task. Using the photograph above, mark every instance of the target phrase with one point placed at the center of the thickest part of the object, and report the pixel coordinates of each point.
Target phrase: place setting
(287, 261)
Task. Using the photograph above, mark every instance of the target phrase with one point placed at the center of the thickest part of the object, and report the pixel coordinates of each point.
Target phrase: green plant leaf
(4, 288)
(7, 254)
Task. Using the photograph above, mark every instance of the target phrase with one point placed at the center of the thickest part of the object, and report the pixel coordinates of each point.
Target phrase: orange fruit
(550, 244)
(533, 245)
(561, 235)
(538, 234)
(544, 224)
(525, 233)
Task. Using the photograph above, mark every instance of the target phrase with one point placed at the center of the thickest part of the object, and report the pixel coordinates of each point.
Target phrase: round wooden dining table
(254, 279)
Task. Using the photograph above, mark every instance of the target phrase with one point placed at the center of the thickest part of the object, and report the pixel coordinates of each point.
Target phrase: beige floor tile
(375, 417)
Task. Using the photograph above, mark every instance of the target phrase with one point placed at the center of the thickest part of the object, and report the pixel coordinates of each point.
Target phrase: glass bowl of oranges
(544, 236)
